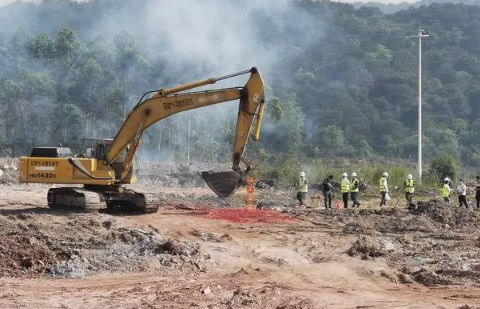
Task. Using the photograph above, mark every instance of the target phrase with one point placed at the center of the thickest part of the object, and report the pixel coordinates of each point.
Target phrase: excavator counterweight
(105, 165)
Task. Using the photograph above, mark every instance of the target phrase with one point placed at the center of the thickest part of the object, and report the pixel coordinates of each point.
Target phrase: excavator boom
(169, 101)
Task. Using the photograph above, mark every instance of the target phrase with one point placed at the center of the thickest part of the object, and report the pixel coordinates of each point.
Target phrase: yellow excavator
(106, 165)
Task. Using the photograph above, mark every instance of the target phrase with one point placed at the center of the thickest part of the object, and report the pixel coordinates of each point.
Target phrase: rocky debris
(441, 239)
(368, 247)
(468, 307)
(137, 250)
(131, 256)
(424, 275)
(109, 223)
(219, 296)
(275, 260)
(405, 278)
(395, 220)
(272, 296)
(207, 236)
(24, 255)
(35, 245)
(446, 214)
(207, 290)
(8, 171)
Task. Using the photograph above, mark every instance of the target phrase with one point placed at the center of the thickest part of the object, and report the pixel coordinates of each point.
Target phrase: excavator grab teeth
(223, 184)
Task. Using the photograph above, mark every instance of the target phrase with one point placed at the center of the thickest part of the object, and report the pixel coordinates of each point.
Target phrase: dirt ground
(200, 252)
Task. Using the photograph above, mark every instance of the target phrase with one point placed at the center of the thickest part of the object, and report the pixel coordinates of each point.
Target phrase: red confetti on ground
(241, 215)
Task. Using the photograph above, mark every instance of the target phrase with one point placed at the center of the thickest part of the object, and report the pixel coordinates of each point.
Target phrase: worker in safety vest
(409, 189)
(355, 189)
(345, 187)
(383, 189)
(446, 190)
(302, 188)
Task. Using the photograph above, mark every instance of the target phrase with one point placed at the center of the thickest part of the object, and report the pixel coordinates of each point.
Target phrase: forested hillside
(341, 81)
(395, 7)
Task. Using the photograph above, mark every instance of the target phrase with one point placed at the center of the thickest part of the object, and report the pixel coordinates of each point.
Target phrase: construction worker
(409, 189)
(302, 188)
(383, 189)
(477, 191)
(328, 191)
(462, 193)
(345, 187)
(355, 189)
(446, 190)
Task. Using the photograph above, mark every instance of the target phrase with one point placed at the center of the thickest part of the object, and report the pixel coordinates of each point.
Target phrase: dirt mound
(270, 296)
(446, 214)
(138, 250)
(32, 245)
(23, 255)
(436, 244)
(426, 276)
(368, 247)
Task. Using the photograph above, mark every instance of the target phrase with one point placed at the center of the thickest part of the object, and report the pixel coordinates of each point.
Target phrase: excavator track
(78, 199)
(86, 200)
(131, 201)
(151, 203)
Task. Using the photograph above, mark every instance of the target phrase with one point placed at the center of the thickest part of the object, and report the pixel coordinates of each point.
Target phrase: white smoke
(210, 38)
(221, 35)
(6, 2)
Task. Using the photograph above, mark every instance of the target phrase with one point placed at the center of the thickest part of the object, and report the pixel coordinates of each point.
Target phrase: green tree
(444, 166)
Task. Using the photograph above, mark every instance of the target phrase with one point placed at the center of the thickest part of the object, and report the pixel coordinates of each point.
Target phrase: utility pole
(188, 138)
(420, 34)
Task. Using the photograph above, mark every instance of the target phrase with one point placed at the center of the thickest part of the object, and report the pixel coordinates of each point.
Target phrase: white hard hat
(385, 174)
(354, 174)
(446, 179)
(409, 177)
(302, 174)
(344, 175)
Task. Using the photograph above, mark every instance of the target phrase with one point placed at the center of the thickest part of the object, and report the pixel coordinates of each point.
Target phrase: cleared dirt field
(197, 252)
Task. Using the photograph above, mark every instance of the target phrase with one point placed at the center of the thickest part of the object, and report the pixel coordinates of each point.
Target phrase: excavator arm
(169, 101)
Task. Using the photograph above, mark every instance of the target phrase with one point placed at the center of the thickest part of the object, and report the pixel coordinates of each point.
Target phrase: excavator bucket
(222, 183)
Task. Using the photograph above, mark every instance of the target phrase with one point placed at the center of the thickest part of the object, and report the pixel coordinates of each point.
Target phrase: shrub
(444, 166)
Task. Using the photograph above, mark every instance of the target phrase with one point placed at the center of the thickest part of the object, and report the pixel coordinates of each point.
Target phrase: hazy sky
(3, 2)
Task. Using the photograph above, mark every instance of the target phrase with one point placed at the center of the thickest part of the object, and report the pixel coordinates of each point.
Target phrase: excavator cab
(95, 148)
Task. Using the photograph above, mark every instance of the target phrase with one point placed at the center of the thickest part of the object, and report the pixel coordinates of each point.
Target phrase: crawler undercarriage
(93, 199)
